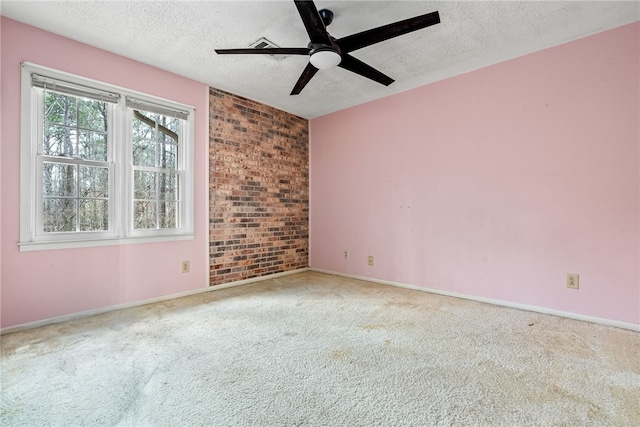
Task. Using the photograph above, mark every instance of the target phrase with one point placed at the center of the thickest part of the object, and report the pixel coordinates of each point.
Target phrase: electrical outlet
(185, 266)
(346, 254)
(370, 260)
(573, 281)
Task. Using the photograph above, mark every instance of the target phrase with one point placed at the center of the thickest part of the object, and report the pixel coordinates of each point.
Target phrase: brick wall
(258, 187)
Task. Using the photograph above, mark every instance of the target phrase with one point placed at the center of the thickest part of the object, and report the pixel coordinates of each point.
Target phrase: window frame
(37, 97)
(120, 165)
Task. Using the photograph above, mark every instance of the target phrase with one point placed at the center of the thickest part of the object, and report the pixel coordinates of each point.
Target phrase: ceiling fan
(326, 51)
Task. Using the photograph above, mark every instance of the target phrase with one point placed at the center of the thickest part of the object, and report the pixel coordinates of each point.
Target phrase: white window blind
(138, 104)
(74, 89)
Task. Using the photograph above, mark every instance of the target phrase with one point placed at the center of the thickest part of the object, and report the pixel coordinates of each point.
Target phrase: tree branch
(153, 124)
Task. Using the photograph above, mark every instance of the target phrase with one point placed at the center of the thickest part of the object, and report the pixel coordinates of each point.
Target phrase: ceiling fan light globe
(325, 59)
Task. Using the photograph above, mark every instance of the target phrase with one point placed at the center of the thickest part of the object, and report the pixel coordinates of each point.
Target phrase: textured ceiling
(181, 36)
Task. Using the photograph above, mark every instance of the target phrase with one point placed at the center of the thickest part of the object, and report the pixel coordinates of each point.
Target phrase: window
(101, 165)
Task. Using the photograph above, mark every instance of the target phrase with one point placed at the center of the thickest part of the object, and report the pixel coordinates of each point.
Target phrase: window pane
(60, 109)
(168, 129)
(144, 214)
(168, 214)
(59, 215)
(144, 185)
(169, 126)
(168, 186)
(143, 125)
(144, 152)
(168, 156)
(92, 114)
(144, 141)
(75, 127)
(94, 182)
(59, 179)
(92, 146)
(151, 130)
(170, 123)
(59, 141)
(94, 215)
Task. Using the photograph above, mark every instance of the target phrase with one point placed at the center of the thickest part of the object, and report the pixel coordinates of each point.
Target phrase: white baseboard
(101, 310)
(542, 310)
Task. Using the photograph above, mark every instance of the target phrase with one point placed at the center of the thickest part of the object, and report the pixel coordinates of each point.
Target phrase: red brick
(258, 188)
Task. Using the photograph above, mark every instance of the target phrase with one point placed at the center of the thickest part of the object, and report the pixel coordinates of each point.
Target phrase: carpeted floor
(320, 350)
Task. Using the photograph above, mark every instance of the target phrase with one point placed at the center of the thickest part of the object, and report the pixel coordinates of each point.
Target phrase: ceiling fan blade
(266, 51)
(306, 75)
(386, 32)
(355, 65)
(313, 22)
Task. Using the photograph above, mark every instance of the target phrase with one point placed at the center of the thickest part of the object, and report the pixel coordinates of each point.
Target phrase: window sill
(72, 244)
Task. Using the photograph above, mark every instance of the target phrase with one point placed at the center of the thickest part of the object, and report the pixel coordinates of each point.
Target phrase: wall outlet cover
(573, 281)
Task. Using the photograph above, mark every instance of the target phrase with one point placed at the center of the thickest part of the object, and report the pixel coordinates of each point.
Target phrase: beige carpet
(319, 350)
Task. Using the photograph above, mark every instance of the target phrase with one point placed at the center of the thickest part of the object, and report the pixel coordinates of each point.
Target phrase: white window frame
(121, 230)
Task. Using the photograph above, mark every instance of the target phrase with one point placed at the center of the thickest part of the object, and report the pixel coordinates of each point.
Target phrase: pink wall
(44, 284)
(495, 183)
